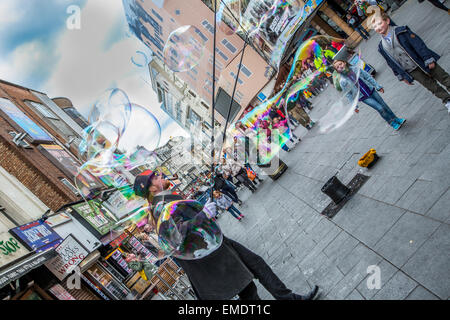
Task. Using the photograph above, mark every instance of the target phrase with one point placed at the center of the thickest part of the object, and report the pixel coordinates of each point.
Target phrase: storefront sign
(119, 240)
(24, 267)
(58, 219)
(70, 254)
(10, 249)
(59, 292)
(97, 216)
(37, 236)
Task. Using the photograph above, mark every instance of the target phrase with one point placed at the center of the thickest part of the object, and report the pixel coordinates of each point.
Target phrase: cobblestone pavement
(399, 220)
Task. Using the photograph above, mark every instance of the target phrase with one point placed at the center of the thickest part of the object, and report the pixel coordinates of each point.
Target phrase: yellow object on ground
(367, 158)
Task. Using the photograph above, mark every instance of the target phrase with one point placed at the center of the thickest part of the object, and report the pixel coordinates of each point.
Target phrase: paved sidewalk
(399, 220)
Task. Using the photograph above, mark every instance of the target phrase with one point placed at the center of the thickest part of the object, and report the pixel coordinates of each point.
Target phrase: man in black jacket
(229, 270)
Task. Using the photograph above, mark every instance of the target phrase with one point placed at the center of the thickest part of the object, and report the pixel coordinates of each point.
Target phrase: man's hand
(407, 82)
(381, 90)
(432, 65)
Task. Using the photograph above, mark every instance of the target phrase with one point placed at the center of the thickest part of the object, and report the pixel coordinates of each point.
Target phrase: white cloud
(25, 63)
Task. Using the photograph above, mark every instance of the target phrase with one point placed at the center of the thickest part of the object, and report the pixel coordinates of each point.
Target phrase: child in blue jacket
(410, 59)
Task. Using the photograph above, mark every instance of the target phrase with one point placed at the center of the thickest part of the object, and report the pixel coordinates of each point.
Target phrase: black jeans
(262, 271)
(243, 178)
(438, 4)
(229, 191)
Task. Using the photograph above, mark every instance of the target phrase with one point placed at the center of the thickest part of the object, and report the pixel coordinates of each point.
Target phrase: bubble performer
(217, 267)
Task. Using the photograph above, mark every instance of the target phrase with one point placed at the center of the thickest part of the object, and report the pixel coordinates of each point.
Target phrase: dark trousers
(229, 191)
(243, 178)
(234, 212)
(438, 4)
(262, 271)
(431, 81)
(362, 32)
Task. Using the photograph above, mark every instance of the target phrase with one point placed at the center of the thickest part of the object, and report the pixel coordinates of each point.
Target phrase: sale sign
(70, 254)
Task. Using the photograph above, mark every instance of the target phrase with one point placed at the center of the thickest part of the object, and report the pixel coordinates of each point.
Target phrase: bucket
(335, 189)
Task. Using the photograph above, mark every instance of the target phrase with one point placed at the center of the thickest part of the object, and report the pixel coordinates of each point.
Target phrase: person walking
(298, 113)
(234, 169)
(230, 269)
(344, 80)
(356, 24)
(221, 185)
(225, 203)
(437, 4)
(410, 59)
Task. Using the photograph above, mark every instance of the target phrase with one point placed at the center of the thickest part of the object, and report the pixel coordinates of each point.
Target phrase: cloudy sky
(39, 51)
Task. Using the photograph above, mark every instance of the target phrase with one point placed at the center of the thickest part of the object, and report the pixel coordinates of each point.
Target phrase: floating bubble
(185, 232)
(142, 135)
(229, 16)
(184, 48)
(98, 137)
(113, 107)
(140, 62)
(312, 68)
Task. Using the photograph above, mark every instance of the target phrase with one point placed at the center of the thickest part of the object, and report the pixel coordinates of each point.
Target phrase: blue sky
(39, 51)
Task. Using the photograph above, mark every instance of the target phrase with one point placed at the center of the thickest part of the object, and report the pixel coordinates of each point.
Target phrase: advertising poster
(37, 236)
(66, 163)
(21, 119)
(70, 254)
(97, 216)
(10, 249)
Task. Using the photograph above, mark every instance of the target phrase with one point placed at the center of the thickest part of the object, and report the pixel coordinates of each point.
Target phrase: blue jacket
(415, 48)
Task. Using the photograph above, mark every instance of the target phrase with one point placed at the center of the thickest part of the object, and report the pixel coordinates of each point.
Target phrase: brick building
(25, 158)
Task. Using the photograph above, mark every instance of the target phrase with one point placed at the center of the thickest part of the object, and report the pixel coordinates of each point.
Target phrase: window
(208, 26)
(234, 77)
(229, 45)
(157, 15)
(42, 109)
(201, 35)
(245, 71)
(192, 94)
(69, 185)
(222, 54)
(204, 104)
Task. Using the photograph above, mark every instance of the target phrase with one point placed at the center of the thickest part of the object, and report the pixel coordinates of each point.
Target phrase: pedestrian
(356, 24)
(410, 59)
(221, 185)
(225, 203)
(437, 4)
(344, 80)
(297, 112)
(234, 169)
(230, 269)
(281, 127)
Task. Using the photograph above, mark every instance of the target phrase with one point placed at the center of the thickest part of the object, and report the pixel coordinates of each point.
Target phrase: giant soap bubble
(185, 232)
(184, 48)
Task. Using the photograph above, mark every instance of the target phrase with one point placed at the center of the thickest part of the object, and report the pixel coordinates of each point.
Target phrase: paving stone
(380, 219)
(354, 295)
(441, 209)
(421, 196)
(358, 254)
(405, 237)
(420, 293)
(387, 270)
(429, 264)
(397, 288)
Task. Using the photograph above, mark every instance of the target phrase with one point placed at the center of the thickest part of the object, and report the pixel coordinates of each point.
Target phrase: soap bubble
(310, 73)
(229, 16)
(141, 61)
(141, 136)
(185, 232)
(113, 107)
(184, 48)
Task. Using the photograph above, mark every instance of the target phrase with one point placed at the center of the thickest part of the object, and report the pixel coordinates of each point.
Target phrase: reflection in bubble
(185, 232)
(184, 48)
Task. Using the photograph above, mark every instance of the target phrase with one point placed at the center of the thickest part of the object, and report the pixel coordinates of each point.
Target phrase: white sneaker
(447, 105)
